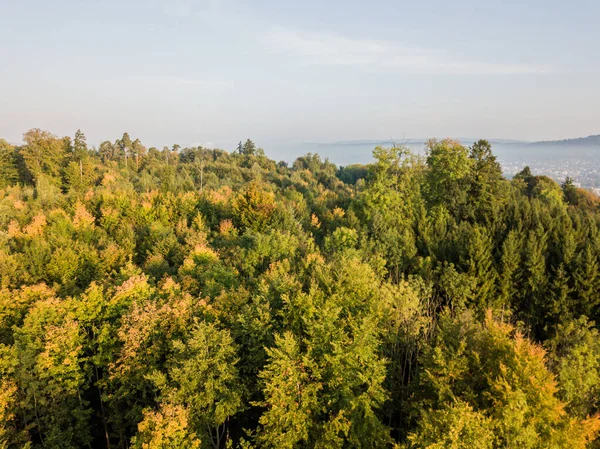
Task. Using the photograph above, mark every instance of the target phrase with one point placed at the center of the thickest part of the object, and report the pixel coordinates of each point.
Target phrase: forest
(199, 298)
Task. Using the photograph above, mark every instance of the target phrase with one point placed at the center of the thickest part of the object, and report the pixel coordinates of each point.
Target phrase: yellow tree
(254, 206)
(488, 373)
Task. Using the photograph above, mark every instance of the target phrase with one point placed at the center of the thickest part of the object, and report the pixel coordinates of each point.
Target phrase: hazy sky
(217, 71)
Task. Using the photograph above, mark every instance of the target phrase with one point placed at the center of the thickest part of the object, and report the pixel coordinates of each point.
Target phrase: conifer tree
(534, 287)
(509, 270)
(79, 145)
(586, 280)
(480, 265)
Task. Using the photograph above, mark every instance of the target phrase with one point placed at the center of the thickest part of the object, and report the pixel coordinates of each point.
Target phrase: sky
(213, 72)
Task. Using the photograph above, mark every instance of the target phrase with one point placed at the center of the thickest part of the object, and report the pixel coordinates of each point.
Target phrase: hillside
(200, 298)
(580, 141)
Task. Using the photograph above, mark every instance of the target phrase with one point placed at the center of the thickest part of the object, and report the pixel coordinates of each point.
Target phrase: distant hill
(407, 141)
(588, 141)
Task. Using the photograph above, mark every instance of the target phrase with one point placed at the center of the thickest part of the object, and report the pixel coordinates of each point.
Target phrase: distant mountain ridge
(589, 141)
(405, 141)
(593, 140)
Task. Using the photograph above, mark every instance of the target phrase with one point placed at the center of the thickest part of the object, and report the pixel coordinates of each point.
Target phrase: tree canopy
(200, 298)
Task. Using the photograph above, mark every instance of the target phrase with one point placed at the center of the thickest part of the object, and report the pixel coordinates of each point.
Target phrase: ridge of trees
(199, 298)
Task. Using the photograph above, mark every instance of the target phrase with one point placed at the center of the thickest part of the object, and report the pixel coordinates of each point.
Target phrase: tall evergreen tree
(249, 148)
(486, 193)
(510, 274)
(480, 265)
(534, 287)
(586, 284)
(79, 145)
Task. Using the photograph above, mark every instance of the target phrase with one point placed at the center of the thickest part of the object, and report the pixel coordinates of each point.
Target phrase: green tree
(389, 205)
(534, 275)
(203, 380)
(486, 192)
(509, 279)
(80, 148)
(108, 151)
(570, 191)
(559, 307)
(125, 147)
(448, 174)
(51, 374)
(323, 383)
(138, 151)
(479, 264)
(249, 148)
(455, 425)
(575, 359)
(43, 152)
(9, 172)
(291, 397)
(586, 279)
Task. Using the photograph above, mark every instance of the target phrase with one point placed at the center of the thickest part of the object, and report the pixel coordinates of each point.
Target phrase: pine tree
(586, 283)
(509, 278)
(570, 191)
(560, 307)
(79, 145)
(534, 276)
(249, 148)
(486, 191)
(480, 265)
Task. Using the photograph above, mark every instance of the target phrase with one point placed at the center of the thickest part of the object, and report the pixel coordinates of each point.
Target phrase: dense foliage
(195, 298)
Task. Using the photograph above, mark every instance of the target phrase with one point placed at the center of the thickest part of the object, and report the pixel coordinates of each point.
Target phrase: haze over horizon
(213, 72)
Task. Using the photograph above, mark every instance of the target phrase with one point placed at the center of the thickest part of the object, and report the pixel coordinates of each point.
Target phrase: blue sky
(280, 72)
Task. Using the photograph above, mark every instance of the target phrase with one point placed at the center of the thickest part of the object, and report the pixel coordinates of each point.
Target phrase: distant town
(585, 173)
(577, 158)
